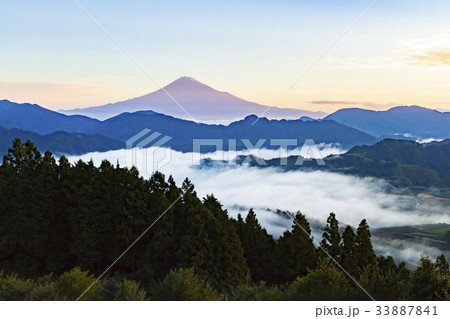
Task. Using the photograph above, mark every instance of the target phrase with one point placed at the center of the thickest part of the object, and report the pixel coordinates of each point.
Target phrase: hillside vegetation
(403, 163)
(62, 225)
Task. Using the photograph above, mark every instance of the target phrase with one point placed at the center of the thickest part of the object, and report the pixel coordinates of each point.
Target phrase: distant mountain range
(348, 127)
(56, 132)
(201, 101)
(407, 121)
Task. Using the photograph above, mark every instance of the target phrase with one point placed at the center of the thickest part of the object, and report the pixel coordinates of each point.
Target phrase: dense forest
(62, 225)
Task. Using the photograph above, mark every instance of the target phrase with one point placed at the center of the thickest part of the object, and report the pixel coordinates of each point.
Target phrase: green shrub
(74, 283)
(258, 292)
(13, 288)
(130, 291)
(184, 285)
(323, 283)
(45, 292)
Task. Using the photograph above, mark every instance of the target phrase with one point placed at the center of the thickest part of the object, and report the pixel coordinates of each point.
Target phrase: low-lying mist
(267, 190)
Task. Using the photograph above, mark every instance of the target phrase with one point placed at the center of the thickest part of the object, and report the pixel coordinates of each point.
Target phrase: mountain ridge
(35, 118)
(414, 121)
(59, 142)
(183, 132)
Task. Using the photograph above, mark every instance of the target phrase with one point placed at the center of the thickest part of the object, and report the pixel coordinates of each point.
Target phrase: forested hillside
(62, 225)
(403, 163)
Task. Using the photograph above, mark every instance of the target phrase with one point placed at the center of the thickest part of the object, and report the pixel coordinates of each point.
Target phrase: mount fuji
(197, 101)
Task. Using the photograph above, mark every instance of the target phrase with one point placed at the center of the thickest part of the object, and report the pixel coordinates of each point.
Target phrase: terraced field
(431, 234)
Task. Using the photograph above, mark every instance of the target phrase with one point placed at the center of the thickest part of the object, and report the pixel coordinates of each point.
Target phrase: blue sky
(398, 53)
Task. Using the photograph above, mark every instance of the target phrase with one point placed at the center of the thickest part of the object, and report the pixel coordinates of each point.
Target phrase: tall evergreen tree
(158, 245)
(296, 252)
(331, 241)
(229, 267)
(365, 253)
(349, 251)
(193, 248)
(259, 247)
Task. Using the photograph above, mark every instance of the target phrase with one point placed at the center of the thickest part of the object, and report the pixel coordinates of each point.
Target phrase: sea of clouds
(266, 190)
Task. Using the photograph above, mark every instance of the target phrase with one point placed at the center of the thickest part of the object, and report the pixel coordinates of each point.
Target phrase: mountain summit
(188, 89)
(198, 100)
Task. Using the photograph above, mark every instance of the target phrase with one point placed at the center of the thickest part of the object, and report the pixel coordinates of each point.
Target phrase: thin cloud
(333, 102)
(426, 44)
(364, 104)
(433, 58)
(431, 51)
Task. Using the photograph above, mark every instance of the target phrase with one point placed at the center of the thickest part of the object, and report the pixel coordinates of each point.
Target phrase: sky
(398, 53)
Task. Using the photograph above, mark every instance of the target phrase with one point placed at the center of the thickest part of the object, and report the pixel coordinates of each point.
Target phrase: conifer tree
(349, 251)
(193, 247)
(296, 252)
(229, 267)
(258, 247)
(365, 254)
(159, 243)
(331, 241)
